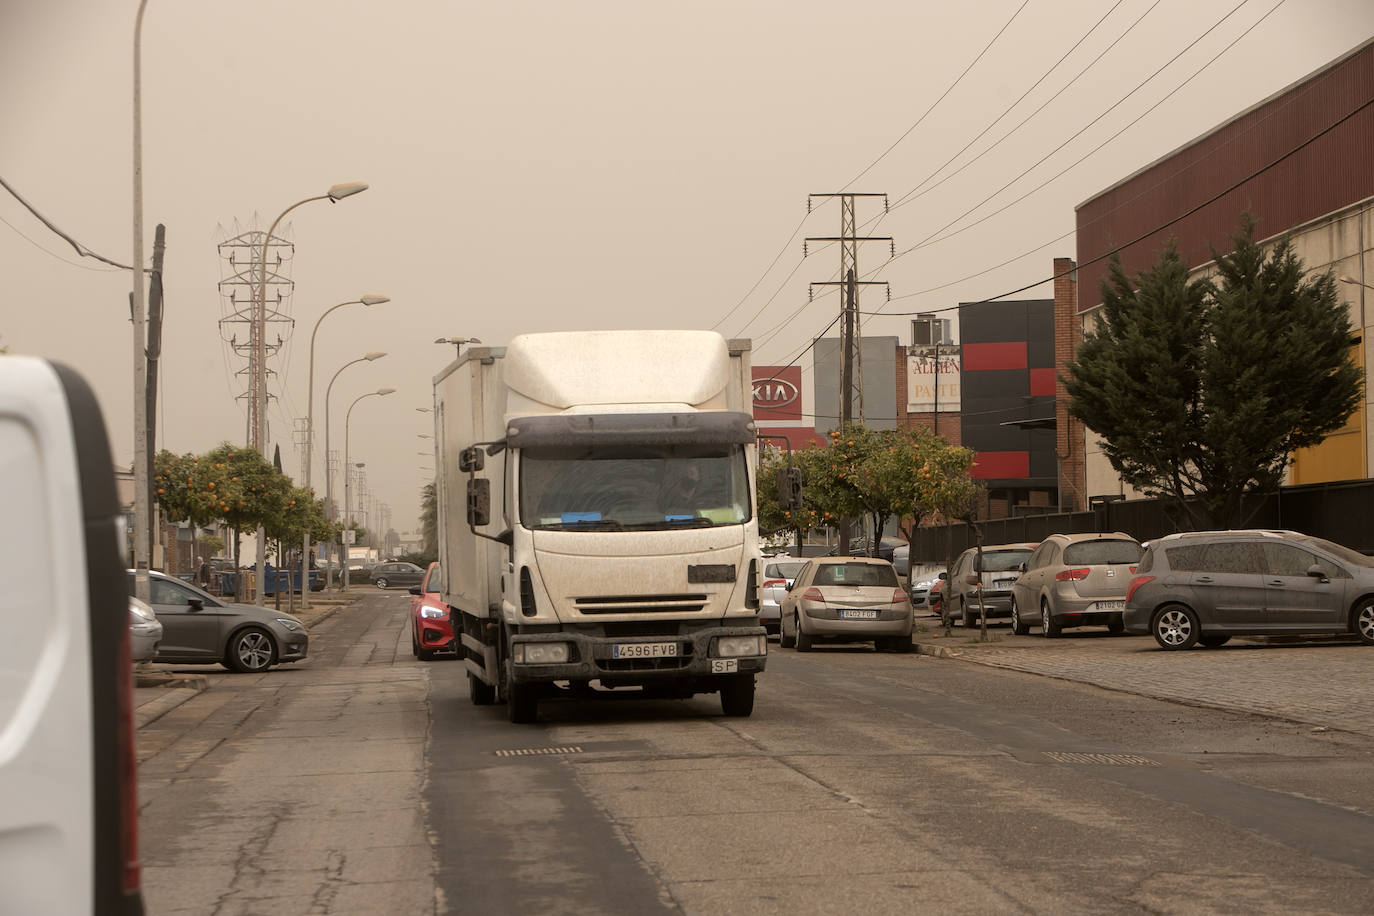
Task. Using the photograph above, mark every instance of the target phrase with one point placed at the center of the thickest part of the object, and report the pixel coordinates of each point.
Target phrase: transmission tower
(242, 270)
(851, 342)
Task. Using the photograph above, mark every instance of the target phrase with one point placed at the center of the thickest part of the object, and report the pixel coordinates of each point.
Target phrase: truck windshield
(615, 488)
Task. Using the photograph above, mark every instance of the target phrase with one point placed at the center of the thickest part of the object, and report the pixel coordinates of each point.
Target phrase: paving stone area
(1323, 684)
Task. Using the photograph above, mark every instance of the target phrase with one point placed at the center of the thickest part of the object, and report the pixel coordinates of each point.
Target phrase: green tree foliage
(1202, 390)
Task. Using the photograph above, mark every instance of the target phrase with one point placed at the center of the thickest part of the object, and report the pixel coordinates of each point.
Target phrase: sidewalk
(158, 688)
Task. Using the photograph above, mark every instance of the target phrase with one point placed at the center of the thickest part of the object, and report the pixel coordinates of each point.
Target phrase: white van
(68, 812)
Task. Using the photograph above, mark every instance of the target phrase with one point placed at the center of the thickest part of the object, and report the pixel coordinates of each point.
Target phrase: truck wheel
(479, 691)
(737, 696)
(522, 703)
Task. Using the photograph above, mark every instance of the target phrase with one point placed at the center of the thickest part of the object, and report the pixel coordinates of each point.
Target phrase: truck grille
(640, 604)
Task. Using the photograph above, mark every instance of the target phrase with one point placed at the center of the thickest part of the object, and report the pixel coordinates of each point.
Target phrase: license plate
(858, 615)
(724, 665)
(644, 650)
(1111, 605)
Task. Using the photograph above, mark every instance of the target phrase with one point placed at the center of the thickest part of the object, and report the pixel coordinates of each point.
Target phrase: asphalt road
(364, 781)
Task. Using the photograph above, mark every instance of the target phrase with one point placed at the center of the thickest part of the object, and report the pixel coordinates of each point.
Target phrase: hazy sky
(563, 165)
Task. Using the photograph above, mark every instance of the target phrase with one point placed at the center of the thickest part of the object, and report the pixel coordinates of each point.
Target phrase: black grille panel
(640, 604)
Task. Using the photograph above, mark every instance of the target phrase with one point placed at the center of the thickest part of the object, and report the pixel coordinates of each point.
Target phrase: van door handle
(1278, 582)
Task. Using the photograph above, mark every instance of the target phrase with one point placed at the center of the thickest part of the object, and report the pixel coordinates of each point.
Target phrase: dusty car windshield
(855, 574)
(633, 487)
(1003, 560)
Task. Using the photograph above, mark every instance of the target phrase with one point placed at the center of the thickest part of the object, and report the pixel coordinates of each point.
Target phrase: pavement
(158, 689)
(1321, 683)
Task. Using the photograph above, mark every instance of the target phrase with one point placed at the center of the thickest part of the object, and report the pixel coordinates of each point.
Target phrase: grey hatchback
(1205, 587)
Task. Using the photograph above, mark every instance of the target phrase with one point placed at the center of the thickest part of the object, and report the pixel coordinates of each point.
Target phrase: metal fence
(1341, 511)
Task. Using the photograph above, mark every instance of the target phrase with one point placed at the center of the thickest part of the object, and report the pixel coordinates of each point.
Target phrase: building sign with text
(930, 380)
(777, 393)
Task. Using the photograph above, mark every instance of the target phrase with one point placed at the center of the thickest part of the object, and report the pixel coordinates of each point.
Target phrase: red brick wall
(1069, 433)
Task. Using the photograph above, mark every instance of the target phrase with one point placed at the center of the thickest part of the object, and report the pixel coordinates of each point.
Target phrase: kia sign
(777, 393)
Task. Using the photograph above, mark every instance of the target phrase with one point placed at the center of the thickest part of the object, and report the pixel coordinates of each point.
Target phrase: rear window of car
(782, 570)
(1100, 553)
(1003, 560)
(855, 574)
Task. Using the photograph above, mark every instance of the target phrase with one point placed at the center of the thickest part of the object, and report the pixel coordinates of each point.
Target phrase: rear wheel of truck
(479, 691)
(737, 695)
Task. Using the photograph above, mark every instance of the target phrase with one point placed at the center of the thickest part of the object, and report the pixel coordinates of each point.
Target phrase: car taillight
(1069, 575)
(769, 583)
(1136, 583)
(898, 596)
(813, 594)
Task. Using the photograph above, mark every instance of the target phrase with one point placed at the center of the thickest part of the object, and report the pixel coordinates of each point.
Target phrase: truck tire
(737, 696)
(522, 701)
(479, 691)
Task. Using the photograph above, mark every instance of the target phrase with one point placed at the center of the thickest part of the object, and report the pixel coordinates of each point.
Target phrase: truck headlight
(433, 613)
(737, 646)
(540, 653)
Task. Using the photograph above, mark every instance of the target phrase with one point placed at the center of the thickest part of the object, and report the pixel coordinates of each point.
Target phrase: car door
(1297, 601)
(955, 585)
(788, 606)
(1031, 584)
(191, 620)
(1230, 586)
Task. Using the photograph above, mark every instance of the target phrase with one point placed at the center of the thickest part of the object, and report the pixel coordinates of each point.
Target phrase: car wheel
(1363, 620)
(969, 619)
(251, 650)
(381, 582)
(1048, 625)
(1018, 626)
(1175, 627)
(479, 691)
(1213, 642)
(785, 641)
(1115, 625)
(737, 695)
(803, 640)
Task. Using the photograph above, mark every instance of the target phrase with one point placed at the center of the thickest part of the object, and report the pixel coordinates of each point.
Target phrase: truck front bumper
(640, 659)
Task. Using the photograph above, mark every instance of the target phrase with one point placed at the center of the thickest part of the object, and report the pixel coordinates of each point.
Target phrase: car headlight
(737, 646)
(290, 624)
(433, 613)
(141, 614)
(540, 653)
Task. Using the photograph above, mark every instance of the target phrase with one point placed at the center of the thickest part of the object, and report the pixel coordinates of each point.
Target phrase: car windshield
(782, 570)
(1003, 560)
(1103, 552)
(1353, 557)
(855, 574)
(615, 488)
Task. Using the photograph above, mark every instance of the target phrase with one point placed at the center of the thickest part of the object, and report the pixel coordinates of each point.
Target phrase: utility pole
(851, 333)
(154, 353)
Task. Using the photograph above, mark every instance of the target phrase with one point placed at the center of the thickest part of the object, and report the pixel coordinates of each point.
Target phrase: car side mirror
(1021, 567)
(415, 590)
(1316, 572)
(196, 604)
(943, 575)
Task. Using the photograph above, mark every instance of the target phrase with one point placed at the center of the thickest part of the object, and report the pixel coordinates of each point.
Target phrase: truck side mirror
(479, 502)
(471, 459)
(790, 488)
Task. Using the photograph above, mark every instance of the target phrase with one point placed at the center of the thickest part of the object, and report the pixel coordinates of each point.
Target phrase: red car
(431, 629)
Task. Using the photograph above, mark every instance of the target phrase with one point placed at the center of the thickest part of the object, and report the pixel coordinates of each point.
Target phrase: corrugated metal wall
(1331, 172)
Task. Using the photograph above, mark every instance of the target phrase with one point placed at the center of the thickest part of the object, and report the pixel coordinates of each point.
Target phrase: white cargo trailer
(597, 519)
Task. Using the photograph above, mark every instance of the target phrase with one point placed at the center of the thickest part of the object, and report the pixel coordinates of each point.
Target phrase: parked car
(846, 599)
(431, 628)
(925, 592)
(1000, 569)
(1075, 580)
(200, 629)
(145, 632)
(778, 575)
(1204, 587)
(396, 575)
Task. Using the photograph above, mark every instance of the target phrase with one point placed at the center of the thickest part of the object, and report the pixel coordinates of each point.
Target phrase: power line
(936, 103)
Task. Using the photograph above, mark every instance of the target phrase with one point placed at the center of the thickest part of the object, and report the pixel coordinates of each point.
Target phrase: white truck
(597, 520)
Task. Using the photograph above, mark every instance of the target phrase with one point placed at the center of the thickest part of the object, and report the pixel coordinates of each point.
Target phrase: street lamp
(1346, 278)
(368, 300)
(329, 478)
(347, 519)
(457, 344)
(257, 404)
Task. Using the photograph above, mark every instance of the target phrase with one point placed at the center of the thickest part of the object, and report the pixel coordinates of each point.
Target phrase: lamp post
(142, 489)
(257, 404)
(368, 300)
(457, 344)
(347, 518)
(329, 478)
